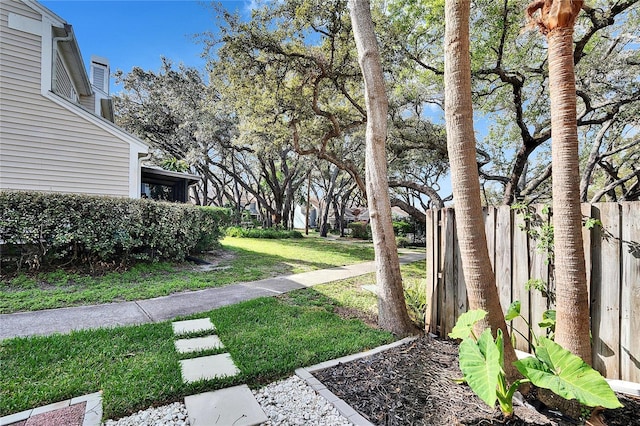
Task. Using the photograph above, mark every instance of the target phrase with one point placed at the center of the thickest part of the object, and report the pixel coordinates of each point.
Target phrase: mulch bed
(412, 385)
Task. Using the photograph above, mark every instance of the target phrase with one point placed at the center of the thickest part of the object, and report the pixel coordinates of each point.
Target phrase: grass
(137, 366)
(252, 259)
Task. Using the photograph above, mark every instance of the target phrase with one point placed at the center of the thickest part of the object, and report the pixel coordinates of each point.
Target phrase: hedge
(360, 230)
(402, 228)
(268, 233)
(48, 228)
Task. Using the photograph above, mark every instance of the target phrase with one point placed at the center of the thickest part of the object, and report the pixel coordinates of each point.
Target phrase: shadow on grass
(138, 366)
(252, 261)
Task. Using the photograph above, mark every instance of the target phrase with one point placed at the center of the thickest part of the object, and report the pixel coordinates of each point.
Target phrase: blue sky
(137, 33)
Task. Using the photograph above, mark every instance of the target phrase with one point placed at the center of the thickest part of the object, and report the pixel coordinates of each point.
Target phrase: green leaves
(513, 312)
(565, 374)
(466, 321)
(53, 228)
(481, 364)
(553, 367)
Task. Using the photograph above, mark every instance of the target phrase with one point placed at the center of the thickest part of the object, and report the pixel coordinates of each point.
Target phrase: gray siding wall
(44, 146)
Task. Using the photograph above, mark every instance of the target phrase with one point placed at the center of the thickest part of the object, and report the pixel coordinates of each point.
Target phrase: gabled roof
(70, 49)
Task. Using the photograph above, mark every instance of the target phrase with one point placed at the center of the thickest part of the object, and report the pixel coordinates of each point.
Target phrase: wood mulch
(412, 385)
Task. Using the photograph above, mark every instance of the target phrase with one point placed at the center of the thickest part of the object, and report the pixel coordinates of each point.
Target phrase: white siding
(44, 146)
(64, 86)
(88, 102)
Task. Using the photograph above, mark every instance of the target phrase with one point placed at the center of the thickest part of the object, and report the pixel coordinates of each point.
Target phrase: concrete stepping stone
(231, 406)
(208, 367)
(192, 326)
(198, 344)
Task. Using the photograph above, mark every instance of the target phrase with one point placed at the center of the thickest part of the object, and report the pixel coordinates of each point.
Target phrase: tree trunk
(392, 309)
(306, 216)
(476, 264)
(572, 310)
(324, 227)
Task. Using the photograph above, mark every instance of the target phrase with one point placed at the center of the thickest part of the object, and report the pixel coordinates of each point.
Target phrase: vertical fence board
(502, 266)
(587, 236)
(539, 270)
(450, 280)
(520, 277)
(431, 227)
(490, 231)
(605, 293)
(630, 326)
(461, 286)
(439, 248)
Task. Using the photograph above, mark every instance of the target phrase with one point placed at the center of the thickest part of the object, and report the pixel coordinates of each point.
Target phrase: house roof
(101, 122)
(70, 49)
(169, 175)
(75, 64)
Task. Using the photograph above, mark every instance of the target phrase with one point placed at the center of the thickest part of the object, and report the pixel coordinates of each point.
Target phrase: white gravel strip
(289, 402)
(293, 402)
(168, 415)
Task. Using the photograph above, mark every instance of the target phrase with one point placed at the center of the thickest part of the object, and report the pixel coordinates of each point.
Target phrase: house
(56, 120)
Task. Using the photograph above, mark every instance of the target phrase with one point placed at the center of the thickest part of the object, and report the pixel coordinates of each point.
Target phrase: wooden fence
(612, 253)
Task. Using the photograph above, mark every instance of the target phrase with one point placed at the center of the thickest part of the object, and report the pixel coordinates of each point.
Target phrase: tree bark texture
(392, 309)
(476, 264)
(572, 310)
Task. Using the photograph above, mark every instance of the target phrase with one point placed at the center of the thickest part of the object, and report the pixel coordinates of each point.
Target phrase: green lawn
(253, 259)
(137, 366)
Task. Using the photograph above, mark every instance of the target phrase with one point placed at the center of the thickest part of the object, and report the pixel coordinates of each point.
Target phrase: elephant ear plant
(553, 367)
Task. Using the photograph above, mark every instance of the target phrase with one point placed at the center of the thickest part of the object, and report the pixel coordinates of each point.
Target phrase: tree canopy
(283, 93)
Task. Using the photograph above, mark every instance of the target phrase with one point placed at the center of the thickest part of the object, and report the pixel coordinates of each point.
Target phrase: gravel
(168, 415)
(289, 402)
(293, 402)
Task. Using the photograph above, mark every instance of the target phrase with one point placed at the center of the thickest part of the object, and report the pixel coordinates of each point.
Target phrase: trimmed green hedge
(42, 228)
(402, 228)
(360, 230)
(269, 233)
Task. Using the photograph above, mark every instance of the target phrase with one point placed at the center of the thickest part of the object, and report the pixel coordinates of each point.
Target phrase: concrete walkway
(164, 308)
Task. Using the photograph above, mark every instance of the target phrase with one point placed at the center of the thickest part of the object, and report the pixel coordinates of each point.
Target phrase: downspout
(54, 56)
(140, 160)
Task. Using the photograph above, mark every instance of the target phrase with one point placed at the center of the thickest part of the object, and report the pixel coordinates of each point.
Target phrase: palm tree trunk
(572, 310)
(478, 275)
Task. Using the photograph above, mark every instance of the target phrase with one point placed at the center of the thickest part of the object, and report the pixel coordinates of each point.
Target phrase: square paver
(198, 344)
(232, 406)
(208, 367)
(191, 326)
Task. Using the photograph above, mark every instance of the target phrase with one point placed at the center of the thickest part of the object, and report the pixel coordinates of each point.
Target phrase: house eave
(105, 124)
(190, 178)
(75, 64)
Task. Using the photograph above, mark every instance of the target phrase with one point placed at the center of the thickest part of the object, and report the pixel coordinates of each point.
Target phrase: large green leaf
(480, 364)
(465, 323)
(513, 311)
(567, 375)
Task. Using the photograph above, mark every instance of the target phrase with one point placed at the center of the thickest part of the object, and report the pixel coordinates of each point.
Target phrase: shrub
(41, 228)
(267, 233)
(402, 228)
(402, 242)
(212, 222)
(360, 230)
(415, 295)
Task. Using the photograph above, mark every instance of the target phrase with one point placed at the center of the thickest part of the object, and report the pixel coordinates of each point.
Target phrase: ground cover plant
(238, 260)
(137, 366)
